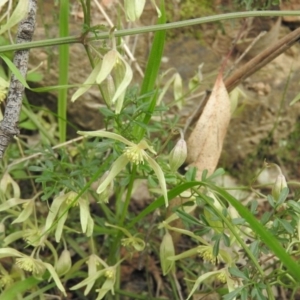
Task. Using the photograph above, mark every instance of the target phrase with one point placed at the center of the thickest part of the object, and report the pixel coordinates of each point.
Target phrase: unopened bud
(178, 155)
(134, 9)
(279, 185)
(166, 250)
(64, 263)
(108, 90)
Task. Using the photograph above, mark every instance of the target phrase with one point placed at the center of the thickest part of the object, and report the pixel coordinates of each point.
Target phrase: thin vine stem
(147, 29)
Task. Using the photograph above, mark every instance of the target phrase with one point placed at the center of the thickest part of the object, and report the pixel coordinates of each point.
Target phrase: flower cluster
(133, 153)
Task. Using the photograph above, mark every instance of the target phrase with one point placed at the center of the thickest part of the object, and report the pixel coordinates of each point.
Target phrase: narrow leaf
(14, 70)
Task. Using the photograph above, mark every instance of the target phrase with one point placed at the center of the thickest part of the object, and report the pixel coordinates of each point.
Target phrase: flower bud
(177, 90)
(133, 243)
(166, 250)
(108, 89)
(64, 263)
(178, 155)
(279, 185)
(134, 9)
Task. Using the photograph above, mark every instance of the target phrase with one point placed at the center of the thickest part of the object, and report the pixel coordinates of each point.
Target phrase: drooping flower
(134, 9)
(32, 265)
(133, 153)
(167, 249)
(114, 75)
(109, 272)
(132, 243)
(59, 209)
(178, 154)
(278, 186)
(222, 275)
(64, 263)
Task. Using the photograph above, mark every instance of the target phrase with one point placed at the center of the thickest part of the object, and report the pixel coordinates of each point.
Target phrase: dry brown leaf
(206, 141)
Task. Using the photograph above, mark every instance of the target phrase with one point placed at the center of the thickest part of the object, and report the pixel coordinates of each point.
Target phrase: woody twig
(9, 124)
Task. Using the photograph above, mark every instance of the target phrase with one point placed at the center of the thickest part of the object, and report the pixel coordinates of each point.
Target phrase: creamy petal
(106, 134)
(116, 168)
(160, 176)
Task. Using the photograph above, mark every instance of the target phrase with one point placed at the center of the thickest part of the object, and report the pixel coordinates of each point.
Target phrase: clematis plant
(133, 153)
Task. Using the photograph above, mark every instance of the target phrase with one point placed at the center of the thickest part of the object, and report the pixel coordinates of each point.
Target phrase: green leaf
(237, 273)
(238, 221)
(106, 112)
(155, 56)
(217, 173)
(34, 77)
(14, 70)
(287, 226)
(187, 217)
(294, 205)
(152, 68)
(233, 294)
(244, 294)
(254, 248)
(29, 125)
(35, 169)
(216, 247)
(253, 207)
(265, 217)
(271, 200)
(283, 195)
(18, 288)
(226, 239)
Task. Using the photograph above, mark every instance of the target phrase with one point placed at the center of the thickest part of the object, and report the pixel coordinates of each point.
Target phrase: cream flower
(32, 265)
(114, 75)
(223, 275)
(133, 153)
(108, 272)
(59, 210)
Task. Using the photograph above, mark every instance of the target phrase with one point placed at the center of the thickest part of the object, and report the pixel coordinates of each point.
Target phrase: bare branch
(262, 59)
(9, 124)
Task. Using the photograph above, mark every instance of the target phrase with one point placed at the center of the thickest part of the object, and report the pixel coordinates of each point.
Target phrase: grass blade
(63, 70)
(264, 234)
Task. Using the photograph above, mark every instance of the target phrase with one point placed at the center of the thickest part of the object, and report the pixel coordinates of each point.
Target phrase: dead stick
(9, 125)
(262, 59)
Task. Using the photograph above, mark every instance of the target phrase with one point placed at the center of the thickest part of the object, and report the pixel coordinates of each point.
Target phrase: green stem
(147, 29)
(128, 196)
(114, 257)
